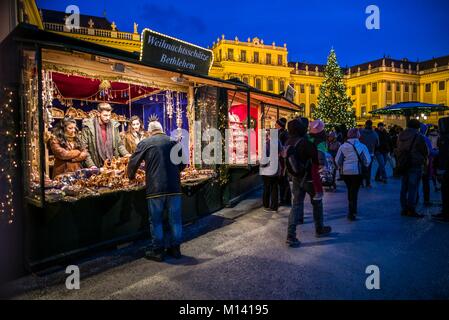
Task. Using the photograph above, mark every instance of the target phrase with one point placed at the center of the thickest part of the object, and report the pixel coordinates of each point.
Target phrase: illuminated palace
(371, 85)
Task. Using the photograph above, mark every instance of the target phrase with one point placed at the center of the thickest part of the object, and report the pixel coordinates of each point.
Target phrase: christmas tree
(334, 105)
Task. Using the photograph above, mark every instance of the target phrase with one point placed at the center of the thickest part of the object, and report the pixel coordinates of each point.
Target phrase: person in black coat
(443, 168)
(382, 152)
(163, 189)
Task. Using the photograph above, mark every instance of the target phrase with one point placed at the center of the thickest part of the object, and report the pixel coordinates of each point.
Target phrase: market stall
(256, 111)
(91, 208)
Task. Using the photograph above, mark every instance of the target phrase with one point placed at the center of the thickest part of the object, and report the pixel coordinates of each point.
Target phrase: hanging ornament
(178, 111)
(104, 85)
(168, 104)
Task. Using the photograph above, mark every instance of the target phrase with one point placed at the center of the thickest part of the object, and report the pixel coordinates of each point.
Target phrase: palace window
(243, 56)
(281, 85)
(374, 87)
(353, 91)
(415, 88)
(220, 55)
(268, 58)
(406, 88)
(363, 90)
(363, 111)
(441, 85)
(312, 109)
(374, 107)
(245, 80)
(388, 86)
(256, 57)
(231, 54)
(312, 89)
(270, 85)
(302, 88)
(258, 84)
(428, 87)
(398, 87)
(280, 60)
(292, 85)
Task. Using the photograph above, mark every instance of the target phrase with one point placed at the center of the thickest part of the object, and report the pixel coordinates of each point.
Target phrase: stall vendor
(67, 147)
(102, 137)
(135, 134)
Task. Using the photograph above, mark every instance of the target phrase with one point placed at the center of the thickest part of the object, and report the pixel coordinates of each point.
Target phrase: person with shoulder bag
(301, 157)
(412, 153)
(351, 158)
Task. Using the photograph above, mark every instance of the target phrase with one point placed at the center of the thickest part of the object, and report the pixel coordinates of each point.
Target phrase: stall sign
(165, 51)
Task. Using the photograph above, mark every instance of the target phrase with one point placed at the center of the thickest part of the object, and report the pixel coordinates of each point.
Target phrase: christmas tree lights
(334, 105)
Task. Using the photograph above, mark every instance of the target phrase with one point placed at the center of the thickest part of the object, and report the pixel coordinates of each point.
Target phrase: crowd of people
(312, 158)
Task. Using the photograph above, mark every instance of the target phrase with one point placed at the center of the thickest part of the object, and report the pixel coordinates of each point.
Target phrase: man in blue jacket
(163, 190)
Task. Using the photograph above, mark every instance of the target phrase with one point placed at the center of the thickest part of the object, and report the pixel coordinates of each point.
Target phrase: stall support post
(248, 126)
(42, 145)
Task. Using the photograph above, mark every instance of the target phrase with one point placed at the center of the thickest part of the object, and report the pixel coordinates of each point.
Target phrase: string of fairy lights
(8, 163)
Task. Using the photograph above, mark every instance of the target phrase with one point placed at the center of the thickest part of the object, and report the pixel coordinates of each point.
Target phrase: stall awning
(83, 88)
(51, 40)
(410, 108)
(259, 97)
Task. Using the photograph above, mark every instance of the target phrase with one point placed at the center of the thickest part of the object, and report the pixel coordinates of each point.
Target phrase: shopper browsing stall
(102, 138)
(163, 189)
(134, 134)
(67, 147)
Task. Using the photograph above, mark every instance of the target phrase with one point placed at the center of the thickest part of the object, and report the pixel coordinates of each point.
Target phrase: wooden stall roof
(49, 40)
(46, 39)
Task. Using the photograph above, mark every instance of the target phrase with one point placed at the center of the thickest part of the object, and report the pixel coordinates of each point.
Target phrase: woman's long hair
(59, 133)
(130, 126)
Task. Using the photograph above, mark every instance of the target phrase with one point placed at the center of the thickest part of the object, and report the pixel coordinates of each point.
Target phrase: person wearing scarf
(67, 148)
(134, 135)
(102, 137)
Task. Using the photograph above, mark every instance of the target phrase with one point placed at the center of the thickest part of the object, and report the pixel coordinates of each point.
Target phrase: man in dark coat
(163, 190)
(305, 152)
(382, 152)
(443, 168)
(413, 150)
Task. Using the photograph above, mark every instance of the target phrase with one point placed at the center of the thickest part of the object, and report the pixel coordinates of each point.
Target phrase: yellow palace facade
(371, 85)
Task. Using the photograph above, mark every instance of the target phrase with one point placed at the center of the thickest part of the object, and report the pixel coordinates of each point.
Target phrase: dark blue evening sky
(413, 29)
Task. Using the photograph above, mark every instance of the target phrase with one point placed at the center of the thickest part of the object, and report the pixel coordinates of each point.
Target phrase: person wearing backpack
(351, 158)
(412, 153)
(301, 158)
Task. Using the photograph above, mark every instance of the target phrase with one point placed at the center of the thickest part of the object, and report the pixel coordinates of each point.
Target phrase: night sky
(413, 29)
